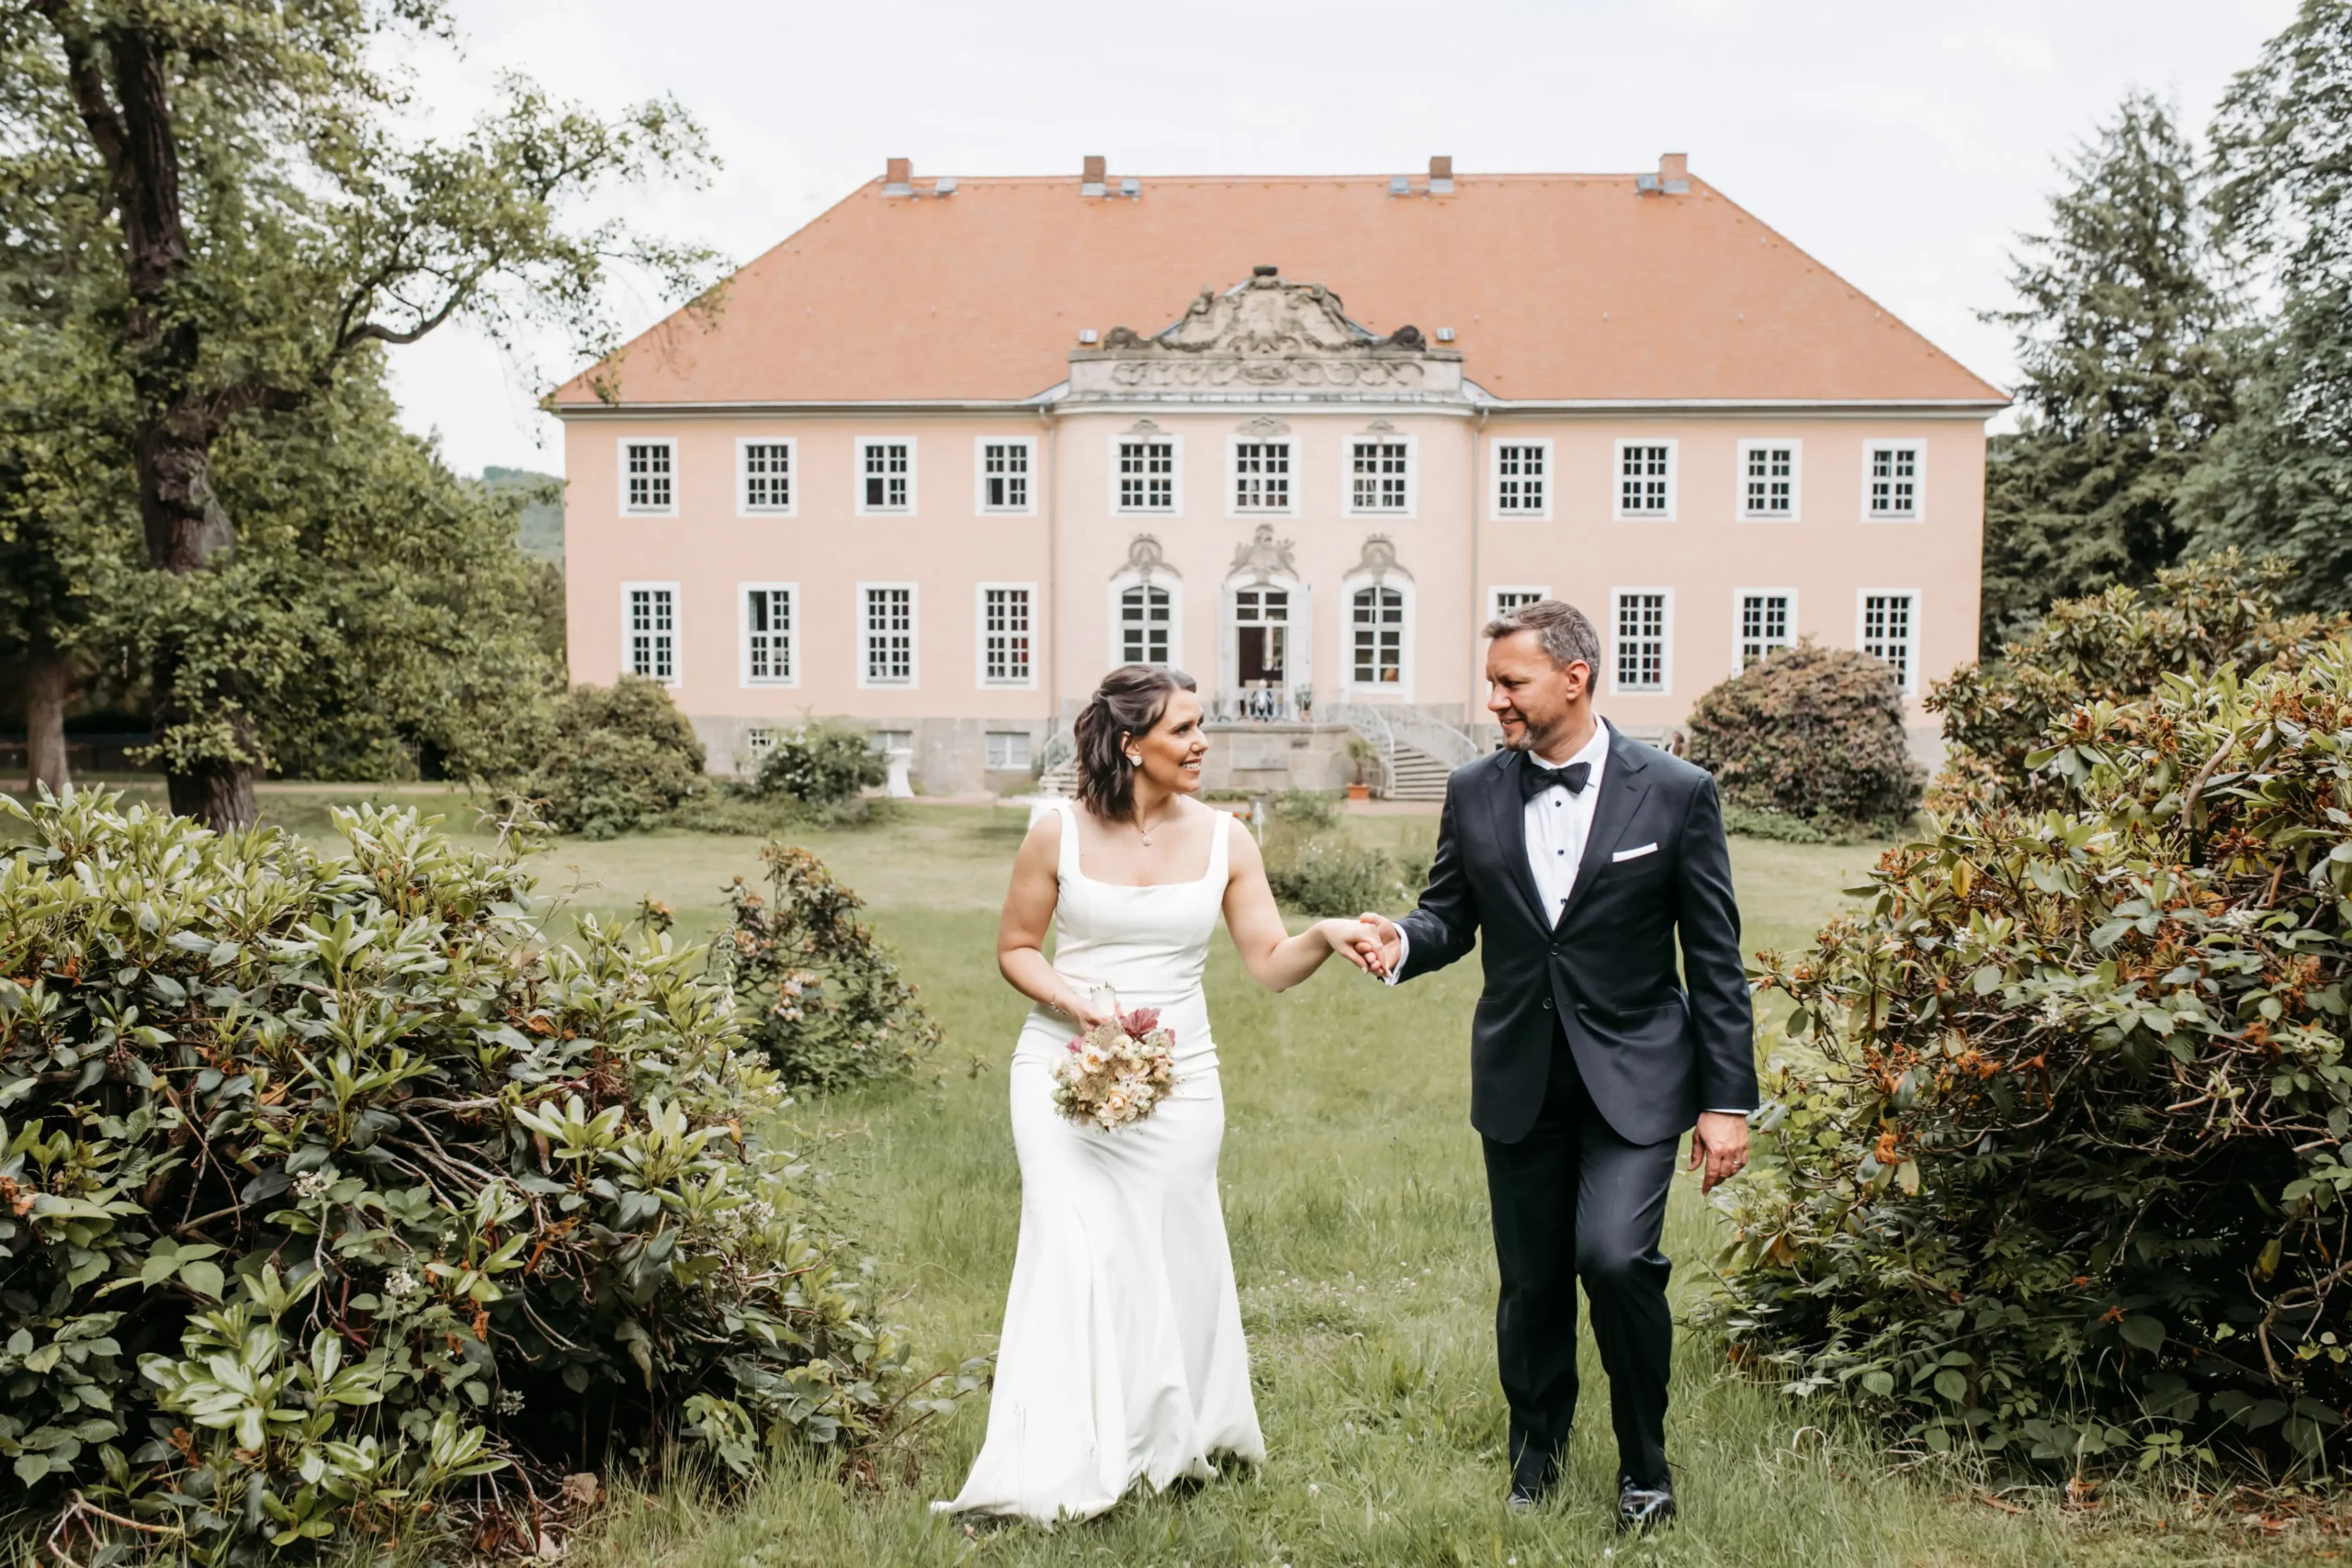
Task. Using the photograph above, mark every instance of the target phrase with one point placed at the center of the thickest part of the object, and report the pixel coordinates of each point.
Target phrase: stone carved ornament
(1266, 333)
(1263, 557)
(1144, 558)
(1379, 560)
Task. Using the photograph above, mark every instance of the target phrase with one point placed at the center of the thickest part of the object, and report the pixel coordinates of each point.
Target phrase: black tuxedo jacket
(1652, 1053)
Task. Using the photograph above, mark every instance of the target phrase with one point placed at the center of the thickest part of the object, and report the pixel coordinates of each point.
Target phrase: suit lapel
(1623, 785)
(1511, 831)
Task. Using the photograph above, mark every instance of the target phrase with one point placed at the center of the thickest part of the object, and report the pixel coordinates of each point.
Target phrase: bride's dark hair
(1128, 702)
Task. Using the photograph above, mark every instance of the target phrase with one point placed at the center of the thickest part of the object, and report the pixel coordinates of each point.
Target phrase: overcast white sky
(1905, 145)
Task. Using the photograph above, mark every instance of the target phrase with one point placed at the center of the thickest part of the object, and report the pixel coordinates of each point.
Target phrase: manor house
(944, 456)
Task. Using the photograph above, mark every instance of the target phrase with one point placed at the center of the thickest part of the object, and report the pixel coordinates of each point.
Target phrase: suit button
(1547, 1004)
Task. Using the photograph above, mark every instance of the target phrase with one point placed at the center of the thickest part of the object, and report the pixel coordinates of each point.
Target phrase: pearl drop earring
(1135, 759)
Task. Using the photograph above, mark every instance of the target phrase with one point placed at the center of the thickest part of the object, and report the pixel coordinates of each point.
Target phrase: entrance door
(1261, 632)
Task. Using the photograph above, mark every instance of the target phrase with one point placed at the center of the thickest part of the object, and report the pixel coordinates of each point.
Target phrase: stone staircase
(1414, 774)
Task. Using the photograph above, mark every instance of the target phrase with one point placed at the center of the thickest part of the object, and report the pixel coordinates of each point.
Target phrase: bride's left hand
(1353, 941)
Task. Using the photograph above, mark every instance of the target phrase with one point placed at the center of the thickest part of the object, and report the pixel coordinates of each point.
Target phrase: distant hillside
(541, 533)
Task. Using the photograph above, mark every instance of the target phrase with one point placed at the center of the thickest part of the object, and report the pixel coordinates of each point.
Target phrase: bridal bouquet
(1118, 1071)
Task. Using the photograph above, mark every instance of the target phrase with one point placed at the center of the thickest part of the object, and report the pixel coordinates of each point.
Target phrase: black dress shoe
(1641, 1507)
(1530, 1482)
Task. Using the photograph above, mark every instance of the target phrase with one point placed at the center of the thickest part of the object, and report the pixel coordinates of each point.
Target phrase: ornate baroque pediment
(1263, 557)
(1145, 559)
(1266, 337)
(1379, 559)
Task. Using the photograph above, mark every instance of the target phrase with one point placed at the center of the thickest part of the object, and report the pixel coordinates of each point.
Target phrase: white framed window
(1009, 750)
(1147, 474)
(649, 631)
(889, 740)
(1008, 634)
(1768, 479)
(1501, 601)
(1766, 622)
(1646, 479)
(1887, 627)
(1004, 467)
(1379, 475)
(1640, 646)
(1522, 478)
(886, 475)
(1146, 621)
(885, 634)
(1892, 481)
(1380, 638)
(759, 739)
(764, 470)
(1261, 475)
(771, 630)
(648, 476)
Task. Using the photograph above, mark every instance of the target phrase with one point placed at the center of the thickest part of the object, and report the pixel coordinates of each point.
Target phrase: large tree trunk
(45, 720)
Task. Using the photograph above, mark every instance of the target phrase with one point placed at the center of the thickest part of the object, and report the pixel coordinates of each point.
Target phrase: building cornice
(1493, 408)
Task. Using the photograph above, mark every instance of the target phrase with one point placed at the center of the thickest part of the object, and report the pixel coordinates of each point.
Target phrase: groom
(1580, 857)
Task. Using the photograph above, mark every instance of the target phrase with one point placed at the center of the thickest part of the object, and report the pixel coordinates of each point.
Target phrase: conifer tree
(2124, 363)
(2280, 481)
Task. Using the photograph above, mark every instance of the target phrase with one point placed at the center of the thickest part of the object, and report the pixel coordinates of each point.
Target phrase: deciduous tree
(272, 229)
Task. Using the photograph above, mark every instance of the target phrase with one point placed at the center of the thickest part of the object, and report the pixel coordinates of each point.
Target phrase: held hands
(1721, 1144)
(1369, 943)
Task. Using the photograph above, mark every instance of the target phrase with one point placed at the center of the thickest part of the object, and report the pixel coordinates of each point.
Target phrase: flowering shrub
(1811, 734)
(820, 995)
(2059, 1160)
(823, 764)
(329, 1183)
(2113, 647)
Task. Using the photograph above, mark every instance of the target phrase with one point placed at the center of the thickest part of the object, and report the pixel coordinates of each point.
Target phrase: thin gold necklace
(1144, 831)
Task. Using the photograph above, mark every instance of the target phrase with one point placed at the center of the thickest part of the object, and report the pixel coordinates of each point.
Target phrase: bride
(1121, 1357)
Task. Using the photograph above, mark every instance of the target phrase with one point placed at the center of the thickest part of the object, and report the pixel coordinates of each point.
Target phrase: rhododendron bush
(2060, 1143)
(328, 1183)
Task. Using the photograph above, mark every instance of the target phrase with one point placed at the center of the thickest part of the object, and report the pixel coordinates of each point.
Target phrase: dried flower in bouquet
(1116, 1072)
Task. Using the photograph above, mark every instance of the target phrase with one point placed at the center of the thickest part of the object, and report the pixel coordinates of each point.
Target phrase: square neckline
(1075, 851)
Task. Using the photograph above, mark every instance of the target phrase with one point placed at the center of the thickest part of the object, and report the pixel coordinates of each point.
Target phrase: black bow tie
(1534, 779)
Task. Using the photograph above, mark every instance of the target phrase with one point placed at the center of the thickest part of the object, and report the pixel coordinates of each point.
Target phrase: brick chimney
(897, 175)
(1674, 172)
(1440, 175)
(1093, 174)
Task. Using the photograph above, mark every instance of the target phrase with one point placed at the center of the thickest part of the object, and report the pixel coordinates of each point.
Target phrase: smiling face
(1172, 753)
(1539, 704)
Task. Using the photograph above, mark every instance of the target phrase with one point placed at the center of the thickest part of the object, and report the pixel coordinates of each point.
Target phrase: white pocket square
(1633, 854)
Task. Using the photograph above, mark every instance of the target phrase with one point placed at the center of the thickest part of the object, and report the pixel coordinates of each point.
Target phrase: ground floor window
(1889, 631)
(1643, 621)
(1501, 601)
(1008, 748)
(889, 740)
(650, 631)
(1764, 624)
(1144, 620)
(888, 634)
(768, 626)
(1005, 641)
(1262, 641)
(1377, 626)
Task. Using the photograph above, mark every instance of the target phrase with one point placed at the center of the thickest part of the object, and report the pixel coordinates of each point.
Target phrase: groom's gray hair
(1566, 634)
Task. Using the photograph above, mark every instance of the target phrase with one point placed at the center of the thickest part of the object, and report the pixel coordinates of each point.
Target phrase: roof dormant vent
(899, 177)
(1089, 183)
(1400, 185)
(1131, 188)
(1265, 269)
(1441, 175)
(1673, 177)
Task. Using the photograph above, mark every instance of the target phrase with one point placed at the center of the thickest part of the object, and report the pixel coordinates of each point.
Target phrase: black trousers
(1573, 1201)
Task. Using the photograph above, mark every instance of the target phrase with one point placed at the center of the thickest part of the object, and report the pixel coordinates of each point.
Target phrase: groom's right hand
(1387, 945)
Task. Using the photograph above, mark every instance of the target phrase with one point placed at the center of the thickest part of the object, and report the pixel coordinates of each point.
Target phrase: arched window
(1147, 616)
(1377, 631)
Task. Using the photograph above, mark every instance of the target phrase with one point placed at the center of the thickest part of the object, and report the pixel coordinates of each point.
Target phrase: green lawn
(1356, 1204)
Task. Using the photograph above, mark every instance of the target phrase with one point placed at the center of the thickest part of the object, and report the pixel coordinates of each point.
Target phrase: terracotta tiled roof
(1567, 287)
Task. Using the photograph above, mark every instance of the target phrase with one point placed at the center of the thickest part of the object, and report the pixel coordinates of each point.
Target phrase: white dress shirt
(1557, 825)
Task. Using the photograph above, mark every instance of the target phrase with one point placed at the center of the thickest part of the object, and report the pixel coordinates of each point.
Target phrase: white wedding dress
(1121, 1357)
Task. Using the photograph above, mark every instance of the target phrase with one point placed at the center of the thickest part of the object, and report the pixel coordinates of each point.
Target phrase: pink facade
(1314, 516)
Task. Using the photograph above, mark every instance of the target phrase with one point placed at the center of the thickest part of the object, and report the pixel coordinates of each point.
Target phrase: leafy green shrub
(823, 764)
(1330, 873)
(624, 758)
(1306, 808)
(327, 1183)
(2061, 1164)
(818, 992)
(2112, 647)
(1780, 826)
(1811, 733)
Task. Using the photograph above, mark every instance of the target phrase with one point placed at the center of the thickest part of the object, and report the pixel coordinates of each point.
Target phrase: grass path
(1356, 1205)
